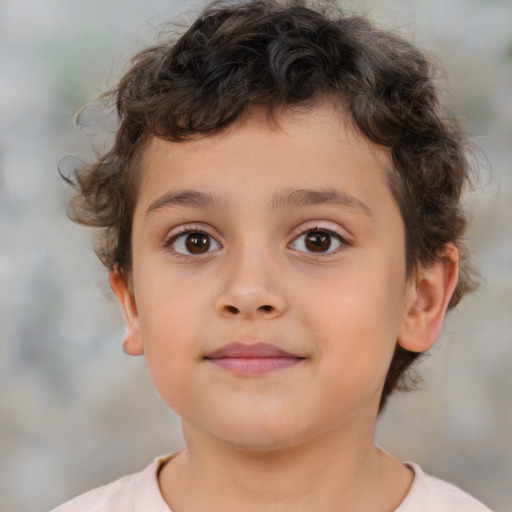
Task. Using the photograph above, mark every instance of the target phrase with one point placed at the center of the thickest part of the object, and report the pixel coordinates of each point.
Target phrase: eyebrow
(188, 198)
(294, 198)
(289, 198)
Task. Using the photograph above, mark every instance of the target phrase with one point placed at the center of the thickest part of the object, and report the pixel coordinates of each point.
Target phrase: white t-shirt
(140, 493)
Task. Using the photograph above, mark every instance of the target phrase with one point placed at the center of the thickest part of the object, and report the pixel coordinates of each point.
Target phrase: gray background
(75, 411)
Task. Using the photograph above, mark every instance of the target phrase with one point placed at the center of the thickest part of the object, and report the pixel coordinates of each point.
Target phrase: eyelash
(316, 229)
(182, 233)
(186, 230)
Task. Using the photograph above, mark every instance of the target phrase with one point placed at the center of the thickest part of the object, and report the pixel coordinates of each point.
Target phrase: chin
(258, 443)
(258, 434)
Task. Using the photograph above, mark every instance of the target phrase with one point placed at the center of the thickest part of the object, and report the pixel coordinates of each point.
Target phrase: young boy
(280, 216)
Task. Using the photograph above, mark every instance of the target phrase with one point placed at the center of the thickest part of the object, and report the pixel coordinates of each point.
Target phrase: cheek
(170, 301)
(357, 315)
(170, 321)
(358, 303)
(169, 326)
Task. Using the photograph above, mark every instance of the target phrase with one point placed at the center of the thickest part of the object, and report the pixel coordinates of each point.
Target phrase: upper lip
(247, 350)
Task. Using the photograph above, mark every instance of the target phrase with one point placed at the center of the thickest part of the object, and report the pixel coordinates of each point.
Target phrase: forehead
(300, 148)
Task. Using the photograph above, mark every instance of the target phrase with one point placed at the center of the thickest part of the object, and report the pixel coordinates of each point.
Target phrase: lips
(252, 359)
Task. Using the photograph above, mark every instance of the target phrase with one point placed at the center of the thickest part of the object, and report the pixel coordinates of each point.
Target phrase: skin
(302, 437)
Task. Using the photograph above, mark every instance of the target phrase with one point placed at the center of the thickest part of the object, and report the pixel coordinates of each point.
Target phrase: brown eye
(197, 243)
(318, 241)
(193, 243)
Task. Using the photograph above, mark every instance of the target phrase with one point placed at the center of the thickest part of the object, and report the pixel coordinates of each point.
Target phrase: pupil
(317, 241)
(197, 243)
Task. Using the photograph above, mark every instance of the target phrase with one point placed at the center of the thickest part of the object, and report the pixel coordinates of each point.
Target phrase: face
(268, 278)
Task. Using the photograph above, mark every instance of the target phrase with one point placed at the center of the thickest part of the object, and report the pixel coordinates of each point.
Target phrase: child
(280, 216)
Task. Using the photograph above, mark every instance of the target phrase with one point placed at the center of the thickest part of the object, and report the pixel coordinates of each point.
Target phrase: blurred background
(75, 411)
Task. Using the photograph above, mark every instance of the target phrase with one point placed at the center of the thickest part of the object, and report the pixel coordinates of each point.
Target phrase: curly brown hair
(288, 53)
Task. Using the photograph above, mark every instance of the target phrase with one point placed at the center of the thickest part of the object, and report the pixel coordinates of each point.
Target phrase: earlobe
(428, 296)
(132, 343)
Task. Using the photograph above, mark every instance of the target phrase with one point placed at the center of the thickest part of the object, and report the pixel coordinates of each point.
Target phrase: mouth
(252, 359)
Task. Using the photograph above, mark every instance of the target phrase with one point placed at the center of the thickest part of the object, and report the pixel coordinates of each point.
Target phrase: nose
(251, 287)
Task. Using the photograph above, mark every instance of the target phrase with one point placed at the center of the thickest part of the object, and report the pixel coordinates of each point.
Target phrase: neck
(321, 474)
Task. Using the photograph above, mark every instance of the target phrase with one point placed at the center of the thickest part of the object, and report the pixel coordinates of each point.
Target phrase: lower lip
(254, 365)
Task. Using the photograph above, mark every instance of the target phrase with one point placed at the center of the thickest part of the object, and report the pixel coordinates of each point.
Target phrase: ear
(132, 343)
(429, 293)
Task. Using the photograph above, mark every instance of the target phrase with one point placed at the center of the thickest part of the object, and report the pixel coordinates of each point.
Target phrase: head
(274, 56)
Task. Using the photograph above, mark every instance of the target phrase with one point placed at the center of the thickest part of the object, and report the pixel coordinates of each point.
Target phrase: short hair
(289, 53)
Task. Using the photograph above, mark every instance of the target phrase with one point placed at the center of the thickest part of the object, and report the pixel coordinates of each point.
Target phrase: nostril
(232, 309)
(266, 308)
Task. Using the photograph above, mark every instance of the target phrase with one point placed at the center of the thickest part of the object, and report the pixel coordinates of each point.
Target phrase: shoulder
(132, 493)
(108, 498)
(435, 495)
